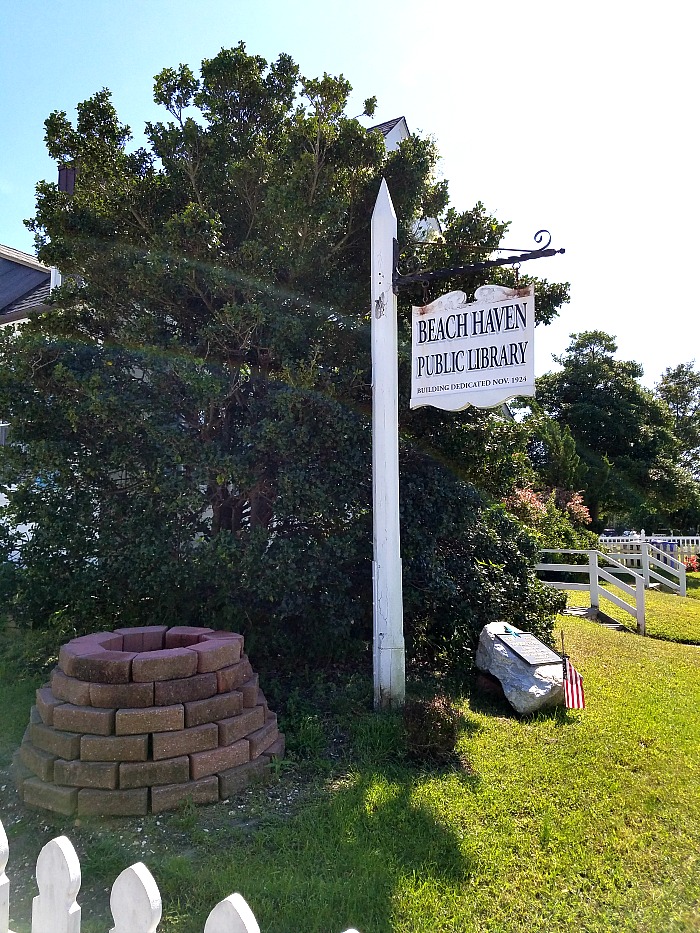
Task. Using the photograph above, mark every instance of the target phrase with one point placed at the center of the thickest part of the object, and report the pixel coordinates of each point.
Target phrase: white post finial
(4, 882)
(54, 909)
(135, 901)
(389, 653)
(232, 915)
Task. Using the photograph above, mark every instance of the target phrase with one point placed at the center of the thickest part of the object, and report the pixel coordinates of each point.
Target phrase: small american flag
(573, 687)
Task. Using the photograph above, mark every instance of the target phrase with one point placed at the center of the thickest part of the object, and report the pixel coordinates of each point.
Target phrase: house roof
(25, 259)
(386, 127)
(24, 284)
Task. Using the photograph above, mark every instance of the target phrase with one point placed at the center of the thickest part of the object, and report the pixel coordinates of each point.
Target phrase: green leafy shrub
(31, 653)
(466, 563)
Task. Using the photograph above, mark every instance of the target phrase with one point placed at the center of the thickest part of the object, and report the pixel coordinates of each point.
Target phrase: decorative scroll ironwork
(423, 278)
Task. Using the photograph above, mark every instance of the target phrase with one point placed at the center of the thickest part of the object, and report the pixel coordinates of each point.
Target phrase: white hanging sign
(479, 353)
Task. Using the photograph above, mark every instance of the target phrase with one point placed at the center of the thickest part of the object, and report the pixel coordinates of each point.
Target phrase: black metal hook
(423, 278)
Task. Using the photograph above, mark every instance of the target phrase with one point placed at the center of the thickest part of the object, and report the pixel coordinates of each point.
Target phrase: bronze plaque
(530, 649)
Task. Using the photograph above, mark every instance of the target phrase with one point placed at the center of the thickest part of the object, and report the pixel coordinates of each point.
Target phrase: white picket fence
(678, 546)
(135, 900)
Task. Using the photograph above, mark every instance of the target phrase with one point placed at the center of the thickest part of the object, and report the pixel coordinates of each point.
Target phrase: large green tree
(679, 388)
(190, 420)
(623, 433)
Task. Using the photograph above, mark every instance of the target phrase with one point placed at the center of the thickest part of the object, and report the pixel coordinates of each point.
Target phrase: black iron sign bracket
(424, 278)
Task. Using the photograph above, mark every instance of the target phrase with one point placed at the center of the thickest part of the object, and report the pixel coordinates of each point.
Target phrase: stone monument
(530, 673)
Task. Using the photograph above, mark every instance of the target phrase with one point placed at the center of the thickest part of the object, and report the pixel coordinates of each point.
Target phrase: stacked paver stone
(144, 719)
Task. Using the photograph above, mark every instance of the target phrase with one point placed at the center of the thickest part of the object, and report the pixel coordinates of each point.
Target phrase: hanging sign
(479, 353)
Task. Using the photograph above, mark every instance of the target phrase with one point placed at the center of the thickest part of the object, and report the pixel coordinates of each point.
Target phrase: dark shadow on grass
(339, 863)
(559, 715)
(458, 768)
(673, 641)
(469, 727)
(493, 704)
(489, 704)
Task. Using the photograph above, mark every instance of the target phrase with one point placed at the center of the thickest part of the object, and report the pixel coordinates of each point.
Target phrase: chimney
(66, 177)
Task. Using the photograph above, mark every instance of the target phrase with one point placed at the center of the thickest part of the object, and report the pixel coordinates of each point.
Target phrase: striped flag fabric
(573, 687)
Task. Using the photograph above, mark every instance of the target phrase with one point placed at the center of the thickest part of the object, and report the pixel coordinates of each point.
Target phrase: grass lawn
(16, 697)
(668, 616)
(693, 585)
(571, 821)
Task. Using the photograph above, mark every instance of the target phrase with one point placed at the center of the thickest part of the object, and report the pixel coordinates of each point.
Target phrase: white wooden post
(389, 652)
(593, 579)
(135, 901)
(640, 597)
(232, 915)
(4, 882)
(645, 564)
(54, 909)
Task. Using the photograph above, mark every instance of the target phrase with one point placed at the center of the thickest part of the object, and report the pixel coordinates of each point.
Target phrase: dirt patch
(106, 846)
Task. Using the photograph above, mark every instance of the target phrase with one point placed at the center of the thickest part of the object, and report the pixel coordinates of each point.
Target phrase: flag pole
(563, 655)
(573, 682)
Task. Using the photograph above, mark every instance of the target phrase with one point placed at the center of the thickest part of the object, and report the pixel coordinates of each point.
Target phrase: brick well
(141, 720)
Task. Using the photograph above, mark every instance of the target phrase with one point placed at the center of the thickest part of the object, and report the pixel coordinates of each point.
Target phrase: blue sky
(574, 117)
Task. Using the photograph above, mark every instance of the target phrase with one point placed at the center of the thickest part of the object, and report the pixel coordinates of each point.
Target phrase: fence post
(645, 565)
(4, 882)
(593, 579)
(641, 620)
(54, 909)
(682, 570)
(232, 915)
(135, 901)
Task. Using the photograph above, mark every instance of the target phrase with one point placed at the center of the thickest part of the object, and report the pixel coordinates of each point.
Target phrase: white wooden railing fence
(599, 568)
(656, 564)
(135, 900)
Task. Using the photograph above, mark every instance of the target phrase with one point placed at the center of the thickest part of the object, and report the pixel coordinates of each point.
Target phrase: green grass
(693, 585)
(668, 616)
(575, 821)
(570, 821)
(16, 696)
